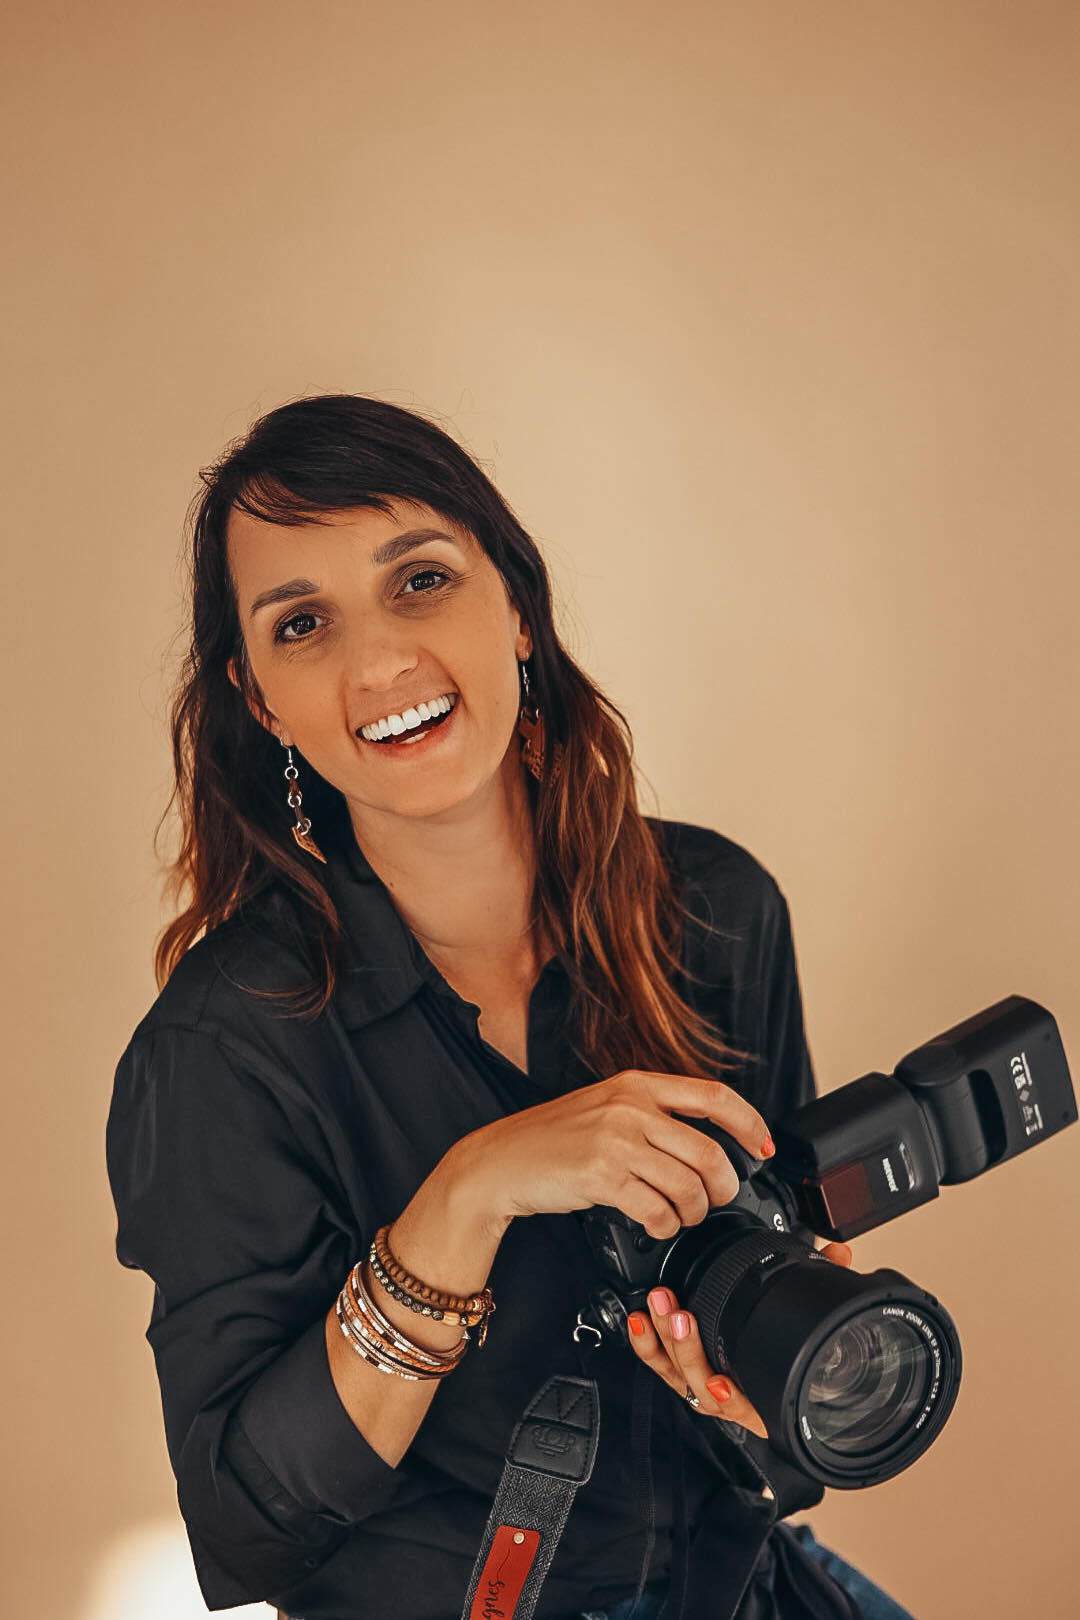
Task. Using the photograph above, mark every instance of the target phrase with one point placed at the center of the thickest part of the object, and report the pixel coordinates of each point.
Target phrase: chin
(421, 801)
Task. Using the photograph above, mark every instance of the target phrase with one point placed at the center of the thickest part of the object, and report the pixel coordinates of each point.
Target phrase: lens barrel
(853, 1375)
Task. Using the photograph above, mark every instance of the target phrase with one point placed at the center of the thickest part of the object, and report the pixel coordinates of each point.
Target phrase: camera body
(853, 1375)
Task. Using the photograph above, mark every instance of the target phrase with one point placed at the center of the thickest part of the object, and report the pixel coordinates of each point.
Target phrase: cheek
(297, 697)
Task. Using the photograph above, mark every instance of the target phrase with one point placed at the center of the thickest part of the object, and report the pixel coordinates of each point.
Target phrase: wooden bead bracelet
(468, 1311)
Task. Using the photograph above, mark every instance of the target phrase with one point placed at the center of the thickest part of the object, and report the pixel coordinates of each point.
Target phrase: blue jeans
(873, 1602)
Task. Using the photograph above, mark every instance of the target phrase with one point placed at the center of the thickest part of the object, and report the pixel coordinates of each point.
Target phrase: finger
(718, 1394)
(643, 1203)
(676, 1181)
(646, 1345)
(711, 1099)
(662, 1307)
(839, 1253)
(704, 1156)
(734, 1406)
(661, 1304)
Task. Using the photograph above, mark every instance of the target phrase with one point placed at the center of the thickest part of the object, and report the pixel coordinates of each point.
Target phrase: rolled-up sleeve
(224, 1199)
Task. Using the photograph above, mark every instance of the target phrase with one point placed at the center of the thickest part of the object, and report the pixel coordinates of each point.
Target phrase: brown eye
(428, 573)
(298, 628)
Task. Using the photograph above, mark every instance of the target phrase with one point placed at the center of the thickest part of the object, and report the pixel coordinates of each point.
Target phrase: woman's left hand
(667, 1340)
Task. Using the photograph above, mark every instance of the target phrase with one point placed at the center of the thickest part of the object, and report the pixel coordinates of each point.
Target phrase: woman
(435, 982)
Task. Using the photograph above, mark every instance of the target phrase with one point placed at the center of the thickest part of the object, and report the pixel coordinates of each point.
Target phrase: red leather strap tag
(504, 1573)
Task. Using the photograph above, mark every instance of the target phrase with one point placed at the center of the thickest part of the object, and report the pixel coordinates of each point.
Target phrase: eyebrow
(388, 552)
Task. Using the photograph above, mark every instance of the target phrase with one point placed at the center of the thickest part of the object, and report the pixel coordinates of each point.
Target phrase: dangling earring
(531, 729)
(302, 830)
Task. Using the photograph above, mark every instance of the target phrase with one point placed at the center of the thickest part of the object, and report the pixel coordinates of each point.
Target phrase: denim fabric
(647, 1609)
(874, 1603)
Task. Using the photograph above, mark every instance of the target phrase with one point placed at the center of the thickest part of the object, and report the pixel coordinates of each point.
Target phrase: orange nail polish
(719, 1388)
(636, 1324)
(768, 1148)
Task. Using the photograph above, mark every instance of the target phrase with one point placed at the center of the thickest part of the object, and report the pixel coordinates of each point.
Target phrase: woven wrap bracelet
(384, 1346)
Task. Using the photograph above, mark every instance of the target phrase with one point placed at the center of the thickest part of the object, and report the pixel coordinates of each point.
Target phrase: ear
(523, 643)
(253, 698)
(522, 635)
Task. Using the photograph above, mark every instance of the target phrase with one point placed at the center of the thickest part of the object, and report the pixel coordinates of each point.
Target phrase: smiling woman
(389, 617)
(435, 986)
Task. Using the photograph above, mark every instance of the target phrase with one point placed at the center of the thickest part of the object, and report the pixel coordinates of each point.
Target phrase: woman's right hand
(616, 1142)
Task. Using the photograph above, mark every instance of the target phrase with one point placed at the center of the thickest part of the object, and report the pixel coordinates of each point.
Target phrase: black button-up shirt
(252, 1156)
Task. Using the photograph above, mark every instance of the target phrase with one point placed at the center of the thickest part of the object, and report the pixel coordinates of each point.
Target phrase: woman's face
(364, 616)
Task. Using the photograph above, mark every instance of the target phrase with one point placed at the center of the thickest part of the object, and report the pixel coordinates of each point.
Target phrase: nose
(378, 662)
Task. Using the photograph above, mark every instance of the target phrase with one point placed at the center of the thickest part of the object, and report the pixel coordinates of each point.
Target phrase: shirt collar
(382, 963)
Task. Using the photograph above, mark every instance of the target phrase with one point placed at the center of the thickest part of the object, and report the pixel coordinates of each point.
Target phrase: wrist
(470, 1172)
(449, 1232)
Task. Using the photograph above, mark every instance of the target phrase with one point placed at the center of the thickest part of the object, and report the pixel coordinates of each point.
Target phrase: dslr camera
(854, 1375)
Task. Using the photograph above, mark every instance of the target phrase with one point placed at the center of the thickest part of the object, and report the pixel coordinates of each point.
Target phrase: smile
(431, 713)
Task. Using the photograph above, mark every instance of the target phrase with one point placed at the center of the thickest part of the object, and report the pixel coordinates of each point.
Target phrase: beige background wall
(766, 320)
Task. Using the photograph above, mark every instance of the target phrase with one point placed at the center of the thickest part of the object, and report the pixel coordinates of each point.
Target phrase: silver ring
(691, 1399)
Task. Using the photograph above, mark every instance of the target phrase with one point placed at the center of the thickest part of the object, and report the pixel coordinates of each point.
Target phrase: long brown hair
(607, 897)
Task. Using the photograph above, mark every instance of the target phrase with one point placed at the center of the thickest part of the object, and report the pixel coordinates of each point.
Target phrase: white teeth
(394, 725)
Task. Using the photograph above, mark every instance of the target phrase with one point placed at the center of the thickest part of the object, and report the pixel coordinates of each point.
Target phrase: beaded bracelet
(381, 1344)
(356, 1298)
(472, 1310)
(357, 1294)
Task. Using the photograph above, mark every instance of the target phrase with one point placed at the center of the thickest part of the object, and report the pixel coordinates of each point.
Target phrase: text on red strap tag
(505, 1569)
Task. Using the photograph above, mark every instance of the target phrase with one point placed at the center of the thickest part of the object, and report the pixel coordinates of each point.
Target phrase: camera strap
(551, 1454)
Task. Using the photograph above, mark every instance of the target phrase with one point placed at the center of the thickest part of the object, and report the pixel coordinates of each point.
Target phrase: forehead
(348, 539)
(359, 523)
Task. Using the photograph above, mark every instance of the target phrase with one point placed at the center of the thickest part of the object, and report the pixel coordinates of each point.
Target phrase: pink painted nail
(659, 1301)
(680, 1325)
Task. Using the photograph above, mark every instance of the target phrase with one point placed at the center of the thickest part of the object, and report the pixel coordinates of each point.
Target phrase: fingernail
(659, 1301)
(680, 1325)
(719, 1389)
(636, 1323)
(768, 1148)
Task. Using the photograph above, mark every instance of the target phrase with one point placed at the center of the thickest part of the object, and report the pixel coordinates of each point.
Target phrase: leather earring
(531, 730)
(302, 830)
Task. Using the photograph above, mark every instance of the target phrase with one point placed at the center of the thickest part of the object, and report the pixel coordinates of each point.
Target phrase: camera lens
(853, 1375)
(866, 1384)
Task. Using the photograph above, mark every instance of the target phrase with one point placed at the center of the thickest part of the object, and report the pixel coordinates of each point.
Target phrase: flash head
(971, 1098)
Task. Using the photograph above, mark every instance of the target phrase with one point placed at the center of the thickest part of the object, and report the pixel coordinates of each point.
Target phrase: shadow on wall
(148, 1571)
